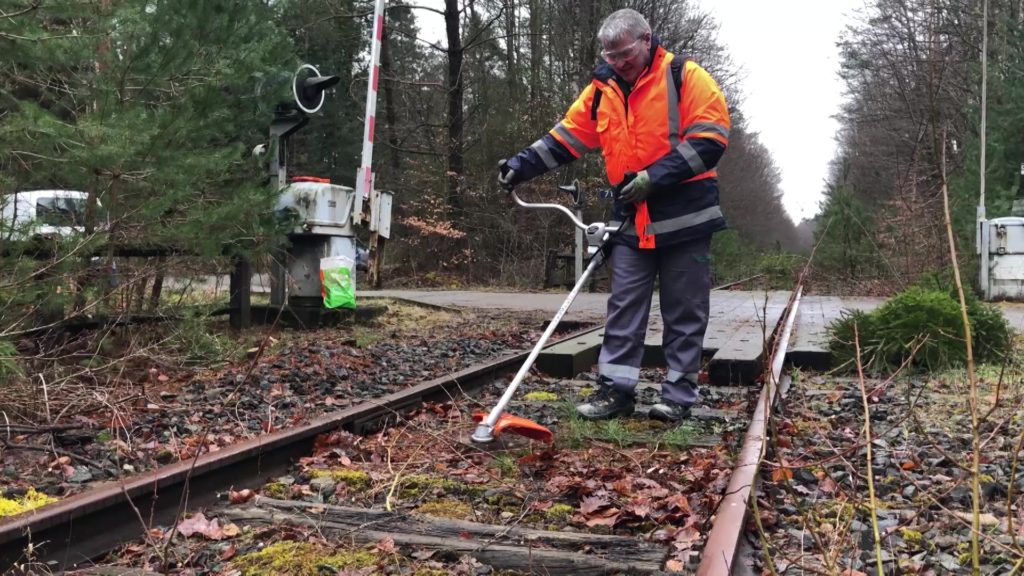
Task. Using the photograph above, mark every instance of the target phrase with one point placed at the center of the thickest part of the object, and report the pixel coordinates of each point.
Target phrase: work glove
(637, 189)
(507, 177)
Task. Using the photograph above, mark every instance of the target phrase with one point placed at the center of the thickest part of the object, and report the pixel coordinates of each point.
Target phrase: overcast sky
(787, 51)
(791, 84)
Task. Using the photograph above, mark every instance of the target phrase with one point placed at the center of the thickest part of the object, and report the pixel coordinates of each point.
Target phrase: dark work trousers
(684, 294)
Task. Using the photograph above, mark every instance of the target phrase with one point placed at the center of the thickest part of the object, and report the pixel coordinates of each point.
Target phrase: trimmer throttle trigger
(629, 177)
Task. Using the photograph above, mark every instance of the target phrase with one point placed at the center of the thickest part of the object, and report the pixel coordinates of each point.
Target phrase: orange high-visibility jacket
(673, 122)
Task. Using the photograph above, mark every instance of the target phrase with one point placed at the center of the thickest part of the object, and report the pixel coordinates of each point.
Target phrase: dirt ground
(816, 505)
(105, 405)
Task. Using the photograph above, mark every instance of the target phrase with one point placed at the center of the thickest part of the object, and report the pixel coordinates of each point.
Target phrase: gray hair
(623, 24)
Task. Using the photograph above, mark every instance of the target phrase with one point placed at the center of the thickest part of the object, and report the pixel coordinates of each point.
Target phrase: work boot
(669, 411)
(606, 403)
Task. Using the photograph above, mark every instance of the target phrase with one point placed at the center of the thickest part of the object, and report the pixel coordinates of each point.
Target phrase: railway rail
(83, 528)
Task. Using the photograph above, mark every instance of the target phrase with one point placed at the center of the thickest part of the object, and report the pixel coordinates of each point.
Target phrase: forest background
(153, 107)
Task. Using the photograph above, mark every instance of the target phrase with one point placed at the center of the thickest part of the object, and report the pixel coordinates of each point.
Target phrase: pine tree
(150, 106)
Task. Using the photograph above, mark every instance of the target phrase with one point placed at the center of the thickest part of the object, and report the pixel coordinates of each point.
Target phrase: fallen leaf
(768, 517)
(199, 524)
(673, 565)
(228, 553)
(542, 505)
(606, 517)
(780, 474)
(983, 519)
(465, 535)
(686, 537)
(423, 554)
(231, 530)
(592, 504)
(623, 486)
(638, 508)
(664, 534)
(828, 485)
(679, 502)
(647, 483)
(386, 545)
(908, 465)
(801, 489)
(241, 496)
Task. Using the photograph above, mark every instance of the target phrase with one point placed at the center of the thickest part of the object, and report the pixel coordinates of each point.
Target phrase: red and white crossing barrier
(364, 177)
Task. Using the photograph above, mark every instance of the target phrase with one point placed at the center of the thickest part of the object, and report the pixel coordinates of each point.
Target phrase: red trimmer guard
(517, 425)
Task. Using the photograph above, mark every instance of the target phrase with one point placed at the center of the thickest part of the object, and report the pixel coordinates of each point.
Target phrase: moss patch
(541, 397)
(447, 509)
(912, 536)
(302, 559)
(351, 478)
(418, 484)
(30, 501)
(278, 490)
(559, 511)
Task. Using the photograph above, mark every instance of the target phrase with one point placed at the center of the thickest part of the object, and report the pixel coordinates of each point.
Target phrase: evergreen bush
(922, 318)
(8, 362)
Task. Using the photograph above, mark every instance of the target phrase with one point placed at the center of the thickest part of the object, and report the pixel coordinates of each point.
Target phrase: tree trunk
(158, 283)
(586, 49)
(536, 56)
(390, 118)
(510, 50)
(456, 121)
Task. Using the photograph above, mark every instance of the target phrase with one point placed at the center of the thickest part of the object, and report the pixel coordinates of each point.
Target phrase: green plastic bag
(338, 282)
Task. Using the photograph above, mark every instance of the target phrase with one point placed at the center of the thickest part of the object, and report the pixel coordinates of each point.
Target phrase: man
(662, 124)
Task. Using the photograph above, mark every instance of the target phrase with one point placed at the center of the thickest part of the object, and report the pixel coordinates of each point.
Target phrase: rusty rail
(719, 556)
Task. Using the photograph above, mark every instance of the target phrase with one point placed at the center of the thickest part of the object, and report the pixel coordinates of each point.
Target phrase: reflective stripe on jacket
(678, 136)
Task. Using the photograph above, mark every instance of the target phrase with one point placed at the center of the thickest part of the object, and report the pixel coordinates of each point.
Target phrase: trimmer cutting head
(509, 423)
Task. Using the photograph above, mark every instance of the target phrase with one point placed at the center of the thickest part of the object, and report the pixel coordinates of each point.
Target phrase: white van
(42, 213)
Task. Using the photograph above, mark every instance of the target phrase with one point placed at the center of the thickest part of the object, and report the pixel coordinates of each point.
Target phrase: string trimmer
(497, 421)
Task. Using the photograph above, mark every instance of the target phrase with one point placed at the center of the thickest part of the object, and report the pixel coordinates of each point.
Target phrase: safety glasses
(622, 53)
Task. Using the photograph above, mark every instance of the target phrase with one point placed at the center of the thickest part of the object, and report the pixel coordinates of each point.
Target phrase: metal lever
(595, 233)
(545, 206)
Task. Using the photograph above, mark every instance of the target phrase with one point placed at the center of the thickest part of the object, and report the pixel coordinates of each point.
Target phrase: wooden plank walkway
(808, 344)
(570, 358)
(734, 340)
(739, 358)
